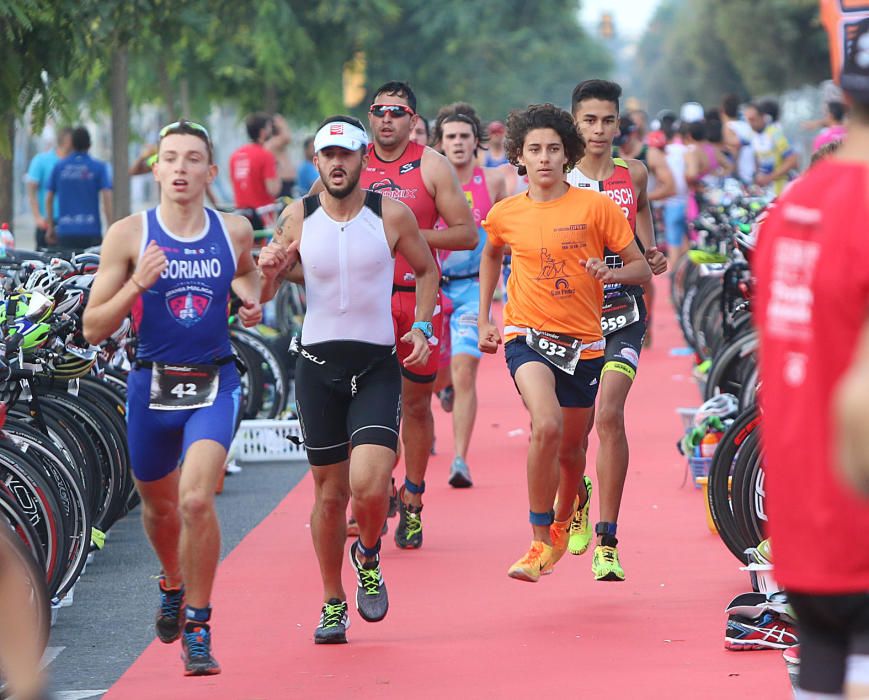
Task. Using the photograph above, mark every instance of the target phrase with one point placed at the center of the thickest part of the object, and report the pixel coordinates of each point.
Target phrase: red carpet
(458, 626)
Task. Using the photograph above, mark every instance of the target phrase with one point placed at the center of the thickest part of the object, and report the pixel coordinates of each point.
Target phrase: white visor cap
(341, 134)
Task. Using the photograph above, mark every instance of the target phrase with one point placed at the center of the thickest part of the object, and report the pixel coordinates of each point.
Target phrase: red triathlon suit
(401, 179)
(812, 295)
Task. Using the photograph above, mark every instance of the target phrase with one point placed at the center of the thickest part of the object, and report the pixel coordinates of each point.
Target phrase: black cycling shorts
(577, 390)
(623, 346)
(831, 628)
(348, 393)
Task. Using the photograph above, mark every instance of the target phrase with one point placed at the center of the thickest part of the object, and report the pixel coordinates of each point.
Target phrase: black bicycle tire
(718, 489)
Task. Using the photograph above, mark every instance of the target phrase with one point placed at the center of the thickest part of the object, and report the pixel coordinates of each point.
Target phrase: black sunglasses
(381, 111)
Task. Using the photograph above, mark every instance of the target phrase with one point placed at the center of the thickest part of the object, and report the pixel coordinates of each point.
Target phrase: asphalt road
(111, 619)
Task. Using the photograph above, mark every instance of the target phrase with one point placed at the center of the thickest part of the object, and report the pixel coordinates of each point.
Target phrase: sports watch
(425, 327)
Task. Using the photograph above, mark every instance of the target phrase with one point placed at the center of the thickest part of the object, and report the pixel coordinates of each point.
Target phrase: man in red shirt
(812, 301)
(253, 170)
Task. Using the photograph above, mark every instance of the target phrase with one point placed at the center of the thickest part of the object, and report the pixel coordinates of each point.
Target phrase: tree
(699, 50)
(499, 56)
(37, 47)
(793, 49)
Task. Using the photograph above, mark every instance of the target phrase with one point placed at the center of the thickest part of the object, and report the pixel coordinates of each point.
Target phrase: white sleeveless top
(675, 154)
(348, 275)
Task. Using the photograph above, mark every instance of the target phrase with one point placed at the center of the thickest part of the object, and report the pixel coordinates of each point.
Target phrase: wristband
(137, 283)
(425, 327)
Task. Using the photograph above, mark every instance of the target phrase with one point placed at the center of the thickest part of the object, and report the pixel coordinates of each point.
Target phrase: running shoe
(372, 601)
(170, 614)
(460, 474)
(559, 533)
(447, 396)
(532, 564)
(334, 622)
(769, 631)
(580, 528)
(196, 650)
(353, 527)
(791, 655)
(605, 564)
(408, 534)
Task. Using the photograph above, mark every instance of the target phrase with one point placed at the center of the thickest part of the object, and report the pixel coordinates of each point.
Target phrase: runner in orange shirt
(554, 345)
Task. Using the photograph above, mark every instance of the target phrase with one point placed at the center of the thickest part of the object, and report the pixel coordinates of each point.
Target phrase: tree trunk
(6, 190)
(271, 99)
(120, 133)
(166, 89)
(184, 97)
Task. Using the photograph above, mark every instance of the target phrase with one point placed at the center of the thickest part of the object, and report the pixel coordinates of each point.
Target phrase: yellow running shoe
(580, 529)
(530, 566)
(605, 565)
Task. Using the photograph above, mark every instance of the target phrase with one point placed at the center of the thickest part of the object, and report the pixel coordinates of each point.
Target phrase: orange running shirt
(549, 288)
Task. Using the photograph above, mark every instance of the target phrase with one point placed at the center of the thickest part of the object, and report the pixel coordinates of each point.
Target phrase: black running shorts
(623, 346)
(348, 393)
(831, 628)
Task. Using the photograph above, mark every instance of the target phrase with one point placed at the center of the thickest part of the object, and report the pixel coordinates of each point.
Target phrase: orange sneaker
(559, 533)
(532, 564)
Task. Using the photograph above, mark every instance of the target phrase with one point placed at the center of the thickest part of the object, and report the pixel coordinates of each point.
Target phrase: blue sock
(542, 519)
(198, 614)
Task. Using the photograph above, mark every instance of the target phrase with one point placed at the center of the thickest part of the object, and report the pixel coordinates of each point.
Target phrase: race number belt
(559, 350)
(619, 311)
(176, 387)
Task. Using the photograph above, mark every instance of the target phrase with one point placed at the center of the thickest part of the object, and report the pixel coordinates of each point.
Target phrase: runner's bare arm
(115, 290)
(451, 203)
(246, 283)
(401, 223)
(402, 227)
(490, 271)
(496, 183)
(645, 226)
(665, 185)
(636, 269)
(279, 260)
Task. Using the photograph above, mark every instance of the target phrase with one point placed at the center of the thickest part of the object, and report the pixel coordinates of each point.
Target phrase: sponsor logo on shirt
(791, 297)
(407, 167)
(188, 303)
(389, 188)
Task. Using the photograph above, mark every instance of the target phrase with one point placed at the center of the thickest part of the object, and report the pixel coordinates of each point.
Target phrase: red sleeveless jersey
(401, 179)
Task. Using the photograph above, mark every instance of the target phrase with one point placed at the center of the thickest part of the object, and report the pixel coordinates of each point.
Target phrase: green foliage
(288, 55)
(33, 58)
(499, 56)
(700, 50)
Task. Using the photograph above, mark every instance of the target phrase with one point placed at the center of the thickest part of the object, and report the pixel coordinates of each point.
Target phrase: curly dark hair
(458, 112)
(545, 116)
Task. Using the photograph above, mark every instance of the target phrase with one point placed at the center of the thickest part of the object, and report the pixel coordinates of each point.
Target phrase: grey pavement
(110, 621)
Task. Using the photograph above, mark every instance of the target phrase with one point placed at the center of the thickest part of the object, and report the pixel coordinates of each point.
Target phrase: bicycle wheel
(275, 382)
(251, 379)
(720, 472)
(73, 499)
(35, 496)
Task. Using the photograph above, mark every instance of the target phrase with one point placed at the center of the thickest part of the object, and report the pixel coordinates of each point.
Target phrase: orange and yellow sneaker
(532, 564)
(559, 533)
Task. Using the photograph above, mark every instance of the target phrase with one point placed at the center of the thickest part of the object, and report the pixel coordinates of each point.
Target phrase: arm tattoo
(279, 228)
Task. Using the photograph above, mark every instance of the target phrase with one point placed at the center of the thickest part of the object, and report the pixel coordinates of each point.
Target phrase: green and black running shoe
(408, 534)
(334, 622)
(372, 602)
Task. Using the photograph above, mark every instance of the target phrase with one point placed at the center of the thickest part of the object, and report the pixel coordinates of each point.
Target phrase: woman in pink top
(835, 128)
